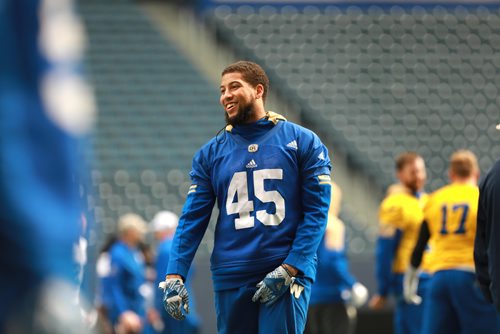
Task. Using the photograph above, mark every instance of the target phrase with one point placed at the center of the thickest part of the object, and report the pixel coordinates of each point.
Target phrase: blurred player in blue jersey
(455, 303)
(400, 215)
(336, 293)
(164, 224)
(487, 242)
(271, 181)
(127, 277)
(45, 109)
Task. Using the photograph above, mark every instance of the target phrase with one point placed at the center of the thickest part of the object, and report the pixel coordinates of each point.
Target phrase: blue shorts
(237, 313)
(408, 317)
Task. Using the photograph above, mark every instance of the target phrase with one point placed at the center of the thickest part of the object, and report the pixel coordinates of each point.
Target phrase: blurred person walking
(336, 293)
(127, 276)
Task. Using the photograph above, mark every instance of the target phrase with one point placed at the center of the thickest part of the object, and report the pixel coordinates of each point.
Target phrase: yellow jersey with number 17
(451, 216)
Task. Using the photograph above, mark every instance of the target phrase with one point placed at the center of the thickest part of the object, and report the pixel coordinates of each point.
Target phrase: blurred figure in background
(487, 242)
(400, 215)
(336, 293)
(455, 303)
(46, 109)
(164, 224)
(103, 294)
(127, 276)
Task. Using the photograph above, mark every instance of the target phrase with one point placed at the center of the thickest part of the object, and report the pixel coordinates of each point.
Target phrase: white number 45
(243, 206)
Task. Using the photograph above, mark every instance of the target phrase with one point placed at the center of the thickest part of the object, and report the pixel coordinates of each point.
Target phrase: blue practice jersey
(125, 280)
(271, 181)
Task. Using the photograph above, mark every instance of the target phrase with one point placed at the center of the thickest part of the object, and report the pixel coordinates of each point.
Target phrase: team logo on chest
(253, 148)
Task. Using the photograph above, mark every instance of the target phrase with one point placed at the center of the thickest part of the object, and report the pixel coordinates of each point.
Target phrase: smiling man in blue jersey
(271, 181)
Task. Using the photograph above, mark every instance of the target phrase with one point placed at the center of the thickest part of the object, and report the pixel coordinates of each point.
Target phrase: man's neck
(259, 113)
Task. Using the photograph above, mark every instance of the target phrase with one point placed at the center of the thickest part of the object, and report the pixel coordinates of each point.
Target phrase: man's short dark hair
(251, 73)
(405, 158)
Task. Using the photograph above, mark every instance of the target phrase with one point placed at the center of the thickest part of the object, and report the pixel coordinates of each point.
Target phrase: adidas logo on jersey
(251, 164)
(321, 156)
(292, 144)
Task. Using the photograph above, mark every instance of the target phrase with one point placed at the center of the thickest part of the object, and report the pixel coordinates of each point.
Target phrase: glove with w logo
(176, 299)
(273, 286)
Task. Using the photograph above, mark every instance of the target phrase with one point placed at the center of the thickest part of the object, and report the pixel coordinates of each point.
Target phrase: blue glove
(273, 286)
(176, 298)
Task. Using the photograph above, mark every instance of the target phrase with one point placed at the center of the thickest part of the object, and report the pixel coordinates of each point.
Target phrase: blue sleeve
(480, 252)
(315, 204)
(385, 251)
(194, 219)
(119, 301)
(339, 268)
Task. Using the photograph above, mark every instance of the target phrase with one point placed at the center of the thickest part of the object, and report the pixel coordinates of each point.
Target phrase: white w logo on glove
(176, 298)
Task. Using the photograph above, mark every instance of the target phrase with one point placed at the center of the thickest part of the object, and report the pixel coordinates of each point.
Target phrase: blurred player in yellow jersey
(400, 216)
(454, 302)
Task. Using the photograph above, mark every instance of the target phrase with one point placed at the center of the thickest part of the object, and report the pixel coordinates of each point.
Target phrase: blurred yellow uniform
(403, 211)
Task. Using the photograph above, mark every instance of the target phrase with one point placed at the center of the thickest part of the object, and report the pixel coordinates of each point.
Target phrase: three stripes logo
(292, 144)
(251, 164)
(192, 189)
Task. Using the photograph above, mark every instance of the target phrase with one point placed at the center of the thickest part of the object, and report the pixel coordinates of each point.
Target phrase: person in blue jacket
(125, 301)
(336, 293)
(164, 224)
(46, 111)
(487, 241)
(271, 181)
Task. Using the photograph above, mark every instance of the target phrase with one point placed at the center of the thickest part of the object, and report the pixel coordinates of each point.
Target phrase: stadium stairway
(155, 111)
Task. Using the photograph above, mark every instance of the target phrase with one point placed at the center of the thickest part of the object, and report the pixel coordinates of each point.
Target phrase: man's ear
(260, 91)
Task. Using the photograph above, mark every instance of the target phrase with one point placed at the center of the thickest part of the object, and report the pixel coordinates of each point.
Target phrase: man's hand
(410, 286)
(273, 286)
(377, 302)
(129, 322)
(176, 298)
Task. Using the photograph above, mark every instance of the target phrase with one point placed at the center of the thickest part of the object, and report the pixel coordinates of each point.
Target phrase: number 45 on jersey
(243, 206)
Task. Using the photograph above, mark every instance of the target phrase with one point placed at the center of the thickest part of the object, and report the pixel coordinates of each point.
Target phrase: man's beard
(242, 117)
(413, 186)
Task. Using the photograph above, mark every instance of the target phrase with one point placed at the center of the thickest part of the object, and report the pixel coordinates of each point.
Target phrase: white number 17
(243, 206)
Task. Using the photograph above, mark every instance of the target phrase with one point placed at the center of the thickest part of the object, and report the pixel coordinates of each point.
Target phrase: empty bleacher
(380, 80)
